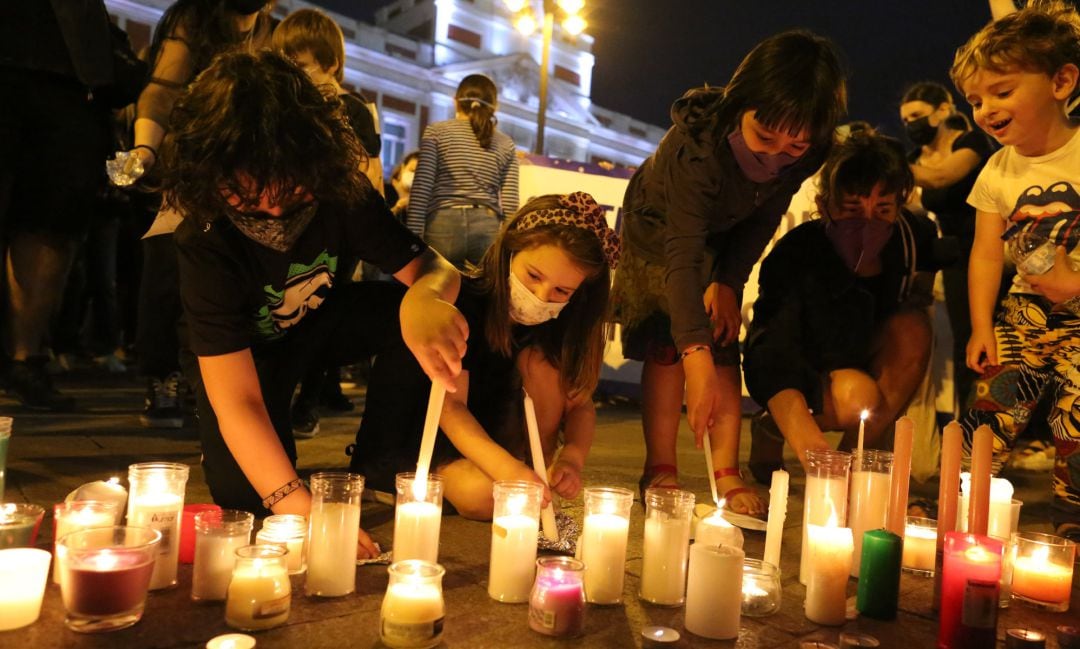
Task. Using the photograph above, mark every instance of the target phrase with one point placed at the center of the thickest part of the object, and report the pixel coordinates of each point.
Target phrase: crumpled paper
(569, 531)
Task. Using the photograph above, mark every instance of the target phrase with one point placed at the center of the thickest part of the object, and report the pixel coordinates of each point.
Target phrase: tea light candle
(259, 594)
(920, 546)
(714, 591)
(761, 590)
(23, 574)
(603, 542)
(829, 565)
(78, 515)
(412, 610)
(289, 530)
(849, 640)
(231, 641)
(969, 590)
(103, 490)
(714, 529)
(1042, 570)
(557, 602)
(654, 637)
(19, 524)
(774, 530)
(1024, 639)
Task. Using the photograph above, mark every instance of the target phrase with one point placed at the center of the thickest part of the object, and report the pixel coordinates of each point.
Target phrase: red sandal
(666, 475)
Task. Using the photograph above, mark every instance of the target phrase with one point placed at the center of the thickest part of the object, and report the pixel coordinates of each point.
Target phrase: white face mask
(526, 308)
(406, 179)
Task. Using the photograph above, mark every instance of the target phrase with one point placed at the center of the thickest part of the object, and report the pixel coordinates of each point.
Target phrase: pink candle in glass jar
(557, 604)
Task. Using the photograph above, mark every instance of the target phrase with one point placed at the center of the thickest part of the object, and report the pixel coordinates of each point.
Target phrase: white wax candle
(824, 497)
(259, 596)
(1036, 577)
(412, 614)
(231, 641)
(23, 575)
(160, 511)
(714, 591)
(215, 558)
(869, 493)
(920, 548)
(1000, 523)
(663, 564)
(107, 490)
(714, 529)
(603, 550)
(827, 574)
(416, 531)
(79, 518)
(513, 557)
(334, 531)
(774, 530)
(290, 531)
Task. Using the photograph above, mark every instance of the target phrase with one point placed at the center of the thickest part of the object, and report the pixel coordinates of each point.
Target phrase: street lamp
(525, 22)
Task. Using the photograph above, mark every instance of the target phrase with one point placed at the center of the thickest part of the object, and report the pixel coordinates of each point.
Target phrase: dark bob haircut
(862, 161)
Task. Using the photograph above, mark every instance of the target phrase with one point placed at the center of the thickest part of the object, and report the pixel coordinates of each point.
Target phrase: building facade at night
(410, 61)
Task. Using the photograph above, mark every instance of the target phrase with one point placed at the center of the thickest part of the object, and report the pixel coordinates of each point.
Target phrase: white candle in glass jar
(714, 591)
(160, 511)
(513, 557)
(416, 531)
(75, 516)
(215, 558)
(335, 529)
(603, 551)
(259, 596)
(823, 497)
(920, 548)
(869, 498)
(289, 530)
(829, 565)
(412, 614)
(663, 564)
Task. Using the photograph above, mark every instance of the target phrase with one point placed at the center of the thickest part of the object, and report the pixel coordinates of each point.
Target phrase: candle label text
(542, 618)
(980, 605)
(412, 631)
(272, 608)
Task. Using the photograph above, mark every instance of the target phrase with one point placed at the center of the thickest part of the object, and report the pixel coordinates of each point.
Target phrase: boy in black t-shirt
(264, 168)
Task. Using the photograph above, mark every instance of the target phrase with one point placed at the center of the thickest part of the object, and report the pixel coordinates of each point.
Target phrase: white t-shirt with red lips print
(1039, 194)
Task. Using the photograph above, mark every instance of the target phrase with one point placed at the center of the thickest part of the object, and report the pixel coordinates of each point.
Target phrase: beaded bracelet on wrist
(282, 492)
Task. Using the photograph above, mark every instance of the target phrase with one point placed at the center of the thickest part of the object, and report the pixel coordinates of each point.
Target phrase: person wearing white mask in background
(536, 307)
(401, 181)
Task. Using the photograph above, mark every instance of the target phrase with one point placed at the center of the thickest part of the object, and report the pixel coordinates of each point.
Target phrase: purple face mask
(858, 241)
(758, 167)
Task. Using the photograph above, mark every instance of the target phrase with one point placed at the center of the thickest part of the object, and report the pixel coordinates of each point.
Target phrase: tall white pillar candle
(868, 494)
(714, 529)
(603, 542)
(514, 529)
(417, 518)
(334, 528)
(827, 574)
(774, 531)
(156, 501)
(714, 591)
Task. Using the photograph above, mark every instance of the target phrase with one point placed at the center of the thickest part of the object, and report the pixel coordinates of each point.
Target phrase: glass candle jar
(761, 589)
(557, 603)
(412, 610)
(19, 524)
(218, 535)
(667, 546)
(971, 570)
(826, 496)
(417, 517)
(156, 501)
(603, 542)
(104, 575)
(5, 439)
(515, 524)
(1042, 569)
(868, 497)
(23, 575)
(334, 529)
(80, 515)
(920, 546)
(187, 529)
(259, 594)
(289, 530)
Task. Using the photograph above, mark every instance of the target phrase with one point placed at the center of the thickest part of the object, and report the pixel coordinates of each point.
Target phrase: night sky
(648, 52)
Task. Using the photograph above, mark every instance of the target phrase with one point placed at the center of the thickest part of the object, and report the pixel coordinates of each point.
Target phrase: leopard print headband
(579, 210)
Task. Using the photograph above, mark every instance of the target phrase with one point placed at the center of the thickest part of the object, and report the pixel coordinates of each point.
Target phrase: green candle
(879, 575)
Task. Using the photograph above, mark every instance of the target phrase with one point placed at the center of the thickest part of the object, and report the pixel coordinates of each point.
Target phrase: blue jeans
(462, 233)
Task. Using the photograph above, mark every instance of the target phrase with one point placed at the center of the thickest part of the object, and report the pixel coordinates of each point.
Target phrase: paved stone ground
(52, 454)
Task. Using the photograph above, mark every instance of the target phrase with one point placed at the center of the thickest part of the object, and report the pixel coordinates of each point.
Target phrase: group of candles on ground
(978, 558)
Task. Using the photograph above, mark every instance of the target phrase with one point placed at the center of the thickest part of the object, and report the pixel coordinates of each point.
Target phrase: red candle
(982, 457)
(187, 530)
(969, 592)
(106, 583)
(898, 494)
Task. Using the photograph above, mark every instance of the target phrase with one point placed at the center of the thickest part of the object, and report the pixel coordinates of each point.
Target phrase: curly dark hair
(860, 162)
(573, 343)
(258, 118)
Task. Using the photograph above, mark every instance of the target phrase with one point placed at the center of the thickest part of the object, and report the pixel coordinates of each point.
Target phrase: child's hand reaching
(1060, 282)
(981, 350)
(518, 471)
(366, 548)
(722, 307)
(566, 478)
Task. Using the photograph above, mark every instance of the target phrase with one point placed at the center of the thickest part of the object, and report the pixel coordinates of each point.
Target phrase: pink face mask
(758, 167)
(858, 241)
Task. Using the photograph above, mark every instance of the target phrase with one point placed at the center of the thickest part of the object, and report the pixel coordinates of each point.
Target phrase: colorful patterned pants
(1037, 350)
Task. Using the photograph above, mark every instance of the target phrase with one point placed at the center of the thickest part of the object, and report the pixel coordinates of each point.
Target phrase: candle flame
(1041, 554)
(751, 589)
(864, 415)
(114, 480)
(515, 504)
(106, 560)
(419, 490)
(833, 521)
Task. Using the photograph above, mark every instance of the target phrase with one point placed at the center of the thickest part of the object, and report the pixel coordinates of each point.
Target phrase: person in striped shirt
(467, 177)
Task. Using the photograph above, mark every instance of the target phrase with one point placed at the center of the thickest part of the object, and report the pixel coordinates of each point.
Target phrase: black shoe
(305, 421)
(336, 401)
(766, 448)
(29, 382)
(163, 403)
